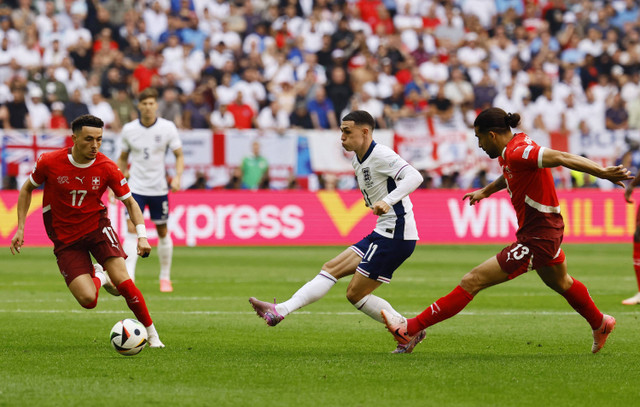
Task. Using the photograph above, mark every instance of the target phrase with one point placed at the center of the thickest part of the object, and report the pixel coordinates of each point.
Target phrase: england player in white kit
(145, 143)
(385, 180)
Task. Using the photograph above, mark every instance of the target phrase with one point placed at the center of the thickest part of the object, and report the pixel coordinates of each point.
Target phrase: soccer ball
(128, 337)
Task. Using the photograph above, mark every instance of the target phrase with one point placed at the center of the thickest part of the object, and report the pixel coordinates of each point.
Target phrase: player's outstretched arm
(144, 248)
(476, 196)
(24, 202)
(615, 174)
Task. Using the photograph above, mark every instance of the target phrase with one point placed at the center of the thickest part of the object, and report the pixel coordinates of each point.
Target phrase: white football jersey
(147, 148)
(377, 175)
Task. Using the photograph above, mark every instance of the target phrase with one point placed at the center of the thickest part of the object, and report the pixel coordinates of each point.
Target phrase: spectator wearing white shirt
(369, 103)
(592, 45)
(291, 19)
(508, 100)
(221, 118)
(502, 50)
(70, 76)
(571, 115)
(311, 63)
(45, 21)
(312, 35)
(434, 71)
(231, 39)
(54, 53)
(569, 85)
(10, 33)
(258, 40)
(485, 10)
(38, 112)
(102, 109)
(593, 112)
(458, 90)
(220, 54)
(156, 21)
(28, 55)
(272, 117)
(252, 89)
(385, 80)
(471, 54)
(173, 57)
(77, 35)
(549, 112)
(220, 9)
(225, 93)
(208, 22)
(630, 87)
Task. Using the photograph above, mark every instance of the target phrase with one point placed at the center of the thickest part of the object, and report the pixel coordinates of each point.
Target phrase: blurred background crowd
(565, 66)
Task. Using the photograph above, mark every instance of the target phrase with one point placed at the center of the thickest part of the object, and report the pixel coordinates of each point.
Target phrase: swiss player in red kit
(76, 220)
(527, 178)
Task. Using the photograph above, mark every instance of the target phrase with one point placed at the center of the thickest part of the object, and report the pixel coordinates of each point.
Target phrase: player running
(76, 220)
(145, 143)
(526, 175)
(385, 180)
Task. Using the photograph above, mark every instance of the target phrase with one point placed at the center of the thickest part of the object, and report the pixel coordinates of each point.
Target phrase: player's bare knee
(353, 296)
(87, 301)
(471, 282)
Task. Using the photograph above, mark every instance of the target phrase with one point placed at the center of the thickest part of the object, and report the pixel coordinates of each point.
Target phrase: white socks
(101, 276)
(308, 293)
(165, 254)
(372, 305)
(130, 247)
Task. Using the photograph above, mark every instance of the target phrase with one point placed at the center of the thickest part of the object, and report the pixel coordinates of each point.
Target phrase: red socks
(578, 297)
(444, 308)
(636, 261)
(135, 301)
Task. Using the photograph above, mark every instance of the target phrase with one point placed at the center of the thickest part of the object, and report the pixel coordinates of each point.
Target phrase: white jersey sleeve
(378, 175)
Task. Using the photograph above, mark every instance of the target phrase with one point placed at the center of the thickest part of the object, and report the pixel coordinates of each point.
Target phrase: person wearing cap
(38, 111)
(57, 120)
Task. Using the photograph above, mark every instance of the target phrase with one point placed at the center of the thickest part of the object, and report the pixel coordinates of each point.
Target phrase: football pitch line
(485, 313)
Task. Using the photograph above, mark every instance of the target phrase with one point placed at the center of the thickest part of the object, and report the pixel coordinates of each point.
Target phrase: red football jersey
(532, 190)
(72, 191)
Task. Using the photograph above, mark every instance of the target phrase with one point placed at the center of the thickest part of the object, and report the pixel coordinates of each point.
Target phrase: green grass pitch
(518, 344)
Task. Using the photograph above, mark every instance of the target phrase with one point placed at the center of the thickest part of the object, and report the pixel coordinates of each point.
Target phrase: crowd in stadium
(278, 64)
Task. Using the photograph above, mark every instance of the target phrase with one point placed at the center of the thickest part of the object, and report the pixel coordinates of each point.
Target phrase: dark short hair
(86, 120)
(496, 119)
(360, 117)
(148, 93)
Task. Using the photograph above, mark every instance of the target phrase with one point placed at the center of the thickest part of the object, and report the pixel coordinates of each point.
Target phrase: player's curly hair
(86, 120)
(360, 117)
(496, 119)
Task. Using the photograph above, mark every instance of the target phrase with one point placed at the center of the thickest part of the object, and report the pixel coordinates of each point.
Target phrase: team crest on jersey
(366, 174)
(63, 179)
(158, 138)
(95, 182)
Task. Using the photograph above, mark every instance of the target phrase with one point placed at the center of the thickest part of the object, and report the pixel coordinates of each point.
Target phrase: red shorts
(530, 254)
(74, 259)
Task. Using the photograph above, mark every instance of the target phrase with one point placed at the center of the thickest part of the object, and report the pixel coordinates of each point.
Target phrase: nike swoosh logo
(398, 333)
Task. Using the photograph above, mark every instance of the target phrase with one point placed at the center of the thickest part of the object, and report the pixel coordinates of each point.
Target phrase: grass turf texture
(518, 344)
